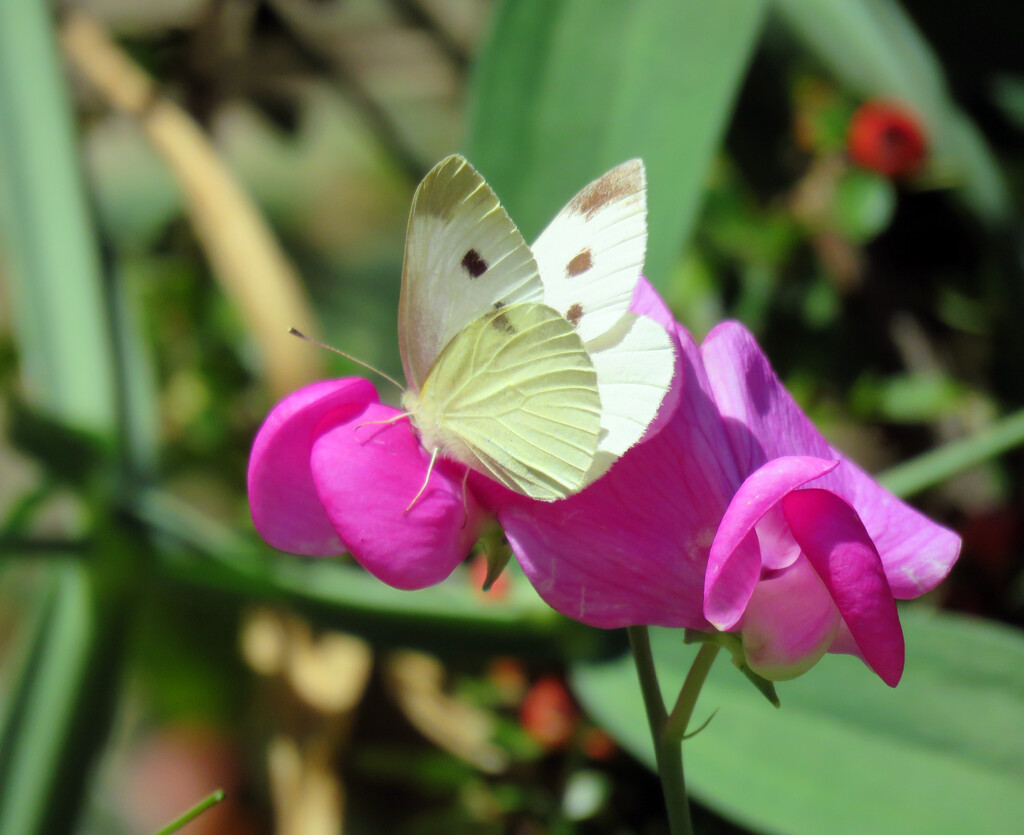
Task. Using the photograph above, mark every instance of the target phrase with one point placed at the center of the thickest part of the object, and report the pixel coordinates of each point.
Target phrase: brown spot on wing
(620, 182)
(574, 314)
(579, 264)
(473, 264)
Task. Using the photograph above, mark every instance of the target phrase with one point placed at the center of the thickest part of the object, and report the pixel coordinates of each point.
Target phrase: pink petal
(647, 302)
(733, 571)
(916, 552)
(790, 622)
(844, 643)
(842, 553)
(282, 498)
(632, 547)
(366, 476)
(767, 423)
(778, 548)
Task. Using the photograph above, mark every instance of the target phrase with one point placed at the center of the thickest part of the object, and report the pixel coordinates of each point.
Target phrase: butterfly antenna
(302, 336)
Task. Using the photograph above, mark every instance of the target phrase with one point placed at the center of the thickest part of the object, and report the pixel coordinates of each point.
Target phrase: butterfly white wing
(463, 255)
(634, 372)
(514, 395)
(590, 258)
(591, 255)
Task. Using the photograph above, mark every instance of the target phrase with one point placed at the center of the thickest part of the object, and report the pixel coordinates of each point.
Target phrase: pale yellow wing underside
(463, 256)
(514, 395)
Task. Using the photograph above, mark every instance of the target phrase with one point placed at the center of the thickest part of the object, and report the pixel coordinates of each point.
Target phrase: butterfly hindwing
(462, 255)
(591, 255)
(514, 395)
(634, 373)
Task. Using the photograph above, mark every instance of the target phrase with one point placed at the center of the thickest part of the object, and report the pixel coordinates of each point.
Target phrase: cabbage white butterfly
(526, 365)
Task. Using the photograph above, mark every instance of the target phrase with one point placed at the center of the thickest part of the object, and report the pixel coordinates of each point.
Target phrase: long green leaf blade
(566, 89)
(55, 280)
(58, 707)
(936, 465)
(62, 700)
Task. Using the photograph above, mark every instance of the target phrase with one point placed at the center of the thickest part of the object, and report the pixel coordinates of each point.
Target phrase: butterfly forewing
(514, 395)
(463, 255)
(591, 255)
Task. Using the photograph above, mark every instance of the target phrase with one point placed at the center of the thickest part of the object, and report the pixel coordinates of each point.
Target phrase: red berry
(886, 138)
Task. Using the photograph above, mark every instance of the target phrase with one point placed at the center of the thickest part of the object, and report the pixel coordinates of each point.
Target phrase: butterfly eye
(473, 264)
(580, 263)
(574, 314)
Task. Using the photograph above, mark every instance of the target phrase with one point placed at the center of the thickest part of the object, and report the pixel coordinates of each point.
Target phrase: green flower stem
(667, 751)
(211, 799)
(679, 720)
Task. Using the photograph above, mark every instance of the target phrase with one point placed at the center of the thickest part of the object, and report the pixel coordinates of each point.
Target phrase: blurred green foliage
(131, 582)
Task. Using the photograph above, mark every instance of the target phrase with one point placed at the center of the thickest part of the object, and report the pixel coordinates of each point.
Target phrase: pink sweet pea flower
(732, 513)
(326, 469)
(332, 465)
(738, 516)
(811, 553)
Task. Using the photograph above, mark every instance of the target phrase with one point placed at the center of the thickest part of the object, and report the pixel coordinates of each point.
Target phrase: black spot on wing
(473, 264)
(574, 314)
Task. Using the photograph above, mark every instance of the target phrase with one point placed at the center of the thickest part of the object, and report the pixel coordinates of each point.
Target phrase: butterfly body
(526, 365)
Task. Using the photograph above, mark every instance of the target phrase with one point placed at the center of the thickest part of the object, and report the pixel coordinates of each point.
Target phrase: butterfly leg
(430, 469)
(388, 422)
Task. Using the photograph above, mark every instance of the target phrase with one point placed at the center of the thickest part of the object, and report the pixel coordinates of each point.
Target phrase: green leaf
(908, 398)
(58, 703)
(873, 47)
(566, 89)
(62, 698)
(935, 466)
(845, 754)
(66, 453)
(55, 278)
